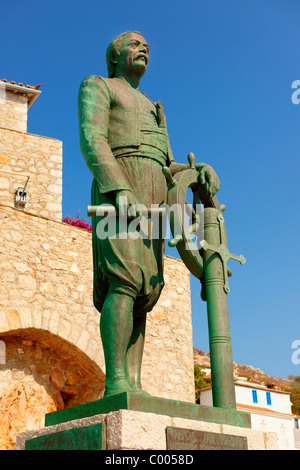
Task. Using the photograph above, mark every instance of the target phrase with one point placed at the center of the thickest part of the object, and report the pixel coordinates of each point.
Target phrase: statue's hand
(208, 178)
(125, 200)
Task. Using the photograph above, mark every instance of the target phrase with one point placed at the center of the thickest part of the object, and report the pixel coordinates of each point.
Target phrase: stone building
(50, 349)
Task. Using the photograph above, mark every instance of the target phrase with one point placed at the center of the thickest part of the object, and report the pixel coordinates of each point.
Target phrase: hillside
(252, 374)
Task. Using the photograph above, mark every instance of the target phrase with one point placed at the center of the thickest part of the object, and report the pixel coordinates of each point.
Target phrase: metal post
(218, 317)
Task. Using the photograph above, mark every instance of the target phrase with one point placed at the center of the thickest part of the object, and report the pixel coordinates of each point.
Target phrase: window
(296, 423)
(268, 395)
(254, 396)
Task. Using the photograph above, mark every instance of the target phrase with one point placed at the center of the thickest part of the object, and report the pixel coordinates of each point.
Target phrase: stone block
(84, 438)
(36, 433)
(135, 430)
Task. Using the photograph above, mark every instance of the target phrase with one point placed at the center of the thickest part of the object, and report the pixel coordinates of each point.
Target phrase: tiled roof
(21, 84)
(252, 385)
(260, 387)
(257, 408)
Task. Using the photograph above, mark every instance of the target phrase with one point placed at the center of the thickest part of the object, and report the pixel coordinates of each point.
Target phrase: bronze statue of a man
(124, 140)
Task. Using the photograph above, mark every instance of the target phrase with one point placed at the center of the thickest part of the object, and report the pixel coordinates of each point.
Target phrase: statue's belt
(156, 141)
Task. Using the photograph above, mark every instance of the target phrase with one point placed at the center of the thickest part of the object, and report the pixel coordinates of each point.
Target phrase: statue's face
(133, 55)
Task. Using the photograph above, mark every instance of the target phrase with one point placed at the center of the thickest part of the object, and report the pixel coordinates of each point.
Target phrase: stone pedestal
(145, 423)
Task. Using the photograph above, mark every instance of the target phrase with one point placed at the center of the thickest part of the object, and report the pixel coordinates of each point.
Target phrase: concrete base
(136, 430)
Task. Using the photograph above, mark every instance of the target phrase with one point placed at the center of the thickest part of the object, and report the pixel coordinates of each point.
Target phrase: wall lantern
(21, 196)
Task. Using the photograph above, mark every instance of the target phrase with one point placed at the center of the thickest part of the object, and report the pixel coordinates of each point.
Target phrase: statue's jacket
(124, 140)
(109, 120)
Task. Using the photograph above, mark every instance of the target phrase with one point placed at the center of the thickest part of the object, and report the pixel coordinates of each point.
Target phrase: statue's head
(128, 50)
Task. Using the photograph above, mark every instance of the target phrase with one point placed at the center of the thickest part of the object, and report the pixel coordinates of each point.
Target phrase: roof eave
(31, 92)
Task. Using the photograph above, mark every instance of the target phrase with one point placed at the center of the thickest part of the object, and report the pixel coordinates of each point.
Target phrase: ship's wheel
(188, 236)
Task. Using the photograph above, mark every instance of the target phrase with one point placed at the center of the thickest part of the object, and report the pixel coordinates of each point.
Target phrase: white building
(270, 409)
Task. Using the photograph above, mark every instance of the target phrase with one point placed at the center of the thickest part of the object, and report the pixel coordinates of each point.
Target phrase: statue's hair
(114, 49)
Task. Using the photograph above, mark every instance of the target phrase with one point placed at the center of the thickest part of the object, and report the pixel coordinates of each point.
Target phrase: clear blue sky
(223, 70)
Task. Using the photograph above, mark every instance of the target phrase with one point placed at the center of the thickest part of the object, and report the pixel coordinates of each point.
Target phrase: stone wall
(48, 325)
(23, 155)
(51, 328)
(13, 109)
(31, 384)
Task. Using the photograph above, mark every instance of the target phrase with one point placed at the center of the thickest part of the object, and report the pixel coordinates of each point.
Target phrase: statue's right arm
(94, 102)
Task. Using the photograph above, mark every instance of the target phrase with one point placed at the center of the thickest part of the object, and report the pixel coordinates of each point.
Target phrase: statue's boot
(116, 325)
(117, 385)
(134, 354)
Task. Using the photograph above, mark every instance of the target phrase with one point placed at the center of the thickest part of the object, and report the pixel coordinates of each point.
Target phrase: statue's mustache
(141, 54)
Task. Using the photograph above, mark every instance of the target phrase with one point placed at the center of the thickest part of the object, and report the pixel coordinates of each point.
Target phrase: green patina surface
(142, 402)
(125, 143)
(85, 438)
(124, 140)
